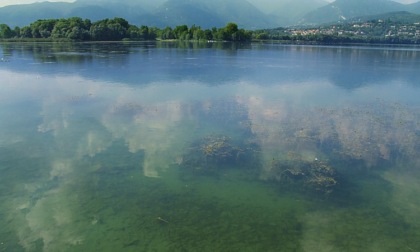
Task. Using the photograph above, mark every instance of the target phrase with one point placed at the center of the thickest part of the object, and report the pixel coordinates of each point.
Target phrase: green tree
(262, 36)
(16, 31)
(208, 35)
(25, 32)
(215, 33)
(199, 35)
(60, 29)
(152, 33)
(195, 33)
(110, 29)
(180, 32)
(42, 28)
(167, 33)
(231, 32)
(5, 31)
(144, 32)
(134, 32)
(231, 28)
(73, 28)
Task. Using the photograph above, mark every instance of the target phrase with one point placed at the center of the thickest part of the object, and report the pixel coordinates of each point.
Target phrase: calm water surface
(209, 147)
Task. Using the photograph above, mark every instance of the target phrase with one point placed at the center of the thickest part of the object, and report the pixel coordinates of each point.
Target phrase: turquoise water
(209, 147)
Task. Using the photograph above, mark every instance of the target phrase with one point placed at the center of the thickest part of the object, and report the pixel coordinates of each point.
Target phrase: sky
(12, 2)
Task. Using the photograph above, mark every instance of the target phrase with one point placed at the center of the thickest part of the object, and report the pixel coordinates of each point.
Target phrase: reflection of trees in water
(348, 68)
(75, 53)
(228, 46)
(87, 52)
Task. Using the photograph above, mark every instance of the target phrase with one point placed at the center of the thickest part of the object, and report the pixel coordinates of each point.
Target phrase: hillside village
(373, 31)
(373, 28)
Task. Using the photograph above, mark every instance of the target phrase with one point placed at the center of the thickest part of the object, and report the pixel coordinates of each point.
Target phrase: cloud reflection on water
(317, 120)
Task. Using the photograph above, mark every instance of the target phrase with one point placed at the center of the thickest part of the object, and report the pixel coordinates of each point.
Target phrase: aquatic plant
(214, 153)
(219, 149)
(372, 135)
(314, 175)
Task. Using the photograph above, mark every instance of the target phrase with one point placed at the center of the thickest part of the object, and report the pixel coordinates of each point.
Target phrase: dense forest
(117, 29)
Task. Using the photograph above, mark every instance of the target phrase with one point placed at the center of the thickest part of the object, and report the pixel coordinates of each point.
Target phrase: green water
(205, 149)
(109, 205)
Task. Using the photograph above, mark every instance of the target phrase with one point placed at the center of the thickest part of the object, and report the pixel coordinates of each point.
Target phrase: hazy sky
(10, 2)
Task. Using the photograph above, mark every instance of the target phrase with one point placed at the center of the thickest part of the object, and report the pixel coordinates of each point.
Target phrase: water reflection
(85, 118)
(147, 63)
(86, 156)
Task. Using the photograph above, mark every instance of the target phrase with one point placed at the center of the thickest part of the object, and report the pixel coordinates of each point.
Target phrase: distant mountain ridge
(204, 13)
(209, 14)
(404, 17)
(166, 13)
(21, 15)
(290, 13)
(341, 10)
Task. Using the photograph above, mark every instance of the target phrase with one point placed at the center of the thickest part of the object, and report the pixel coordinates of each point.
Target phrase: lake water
(209, 147)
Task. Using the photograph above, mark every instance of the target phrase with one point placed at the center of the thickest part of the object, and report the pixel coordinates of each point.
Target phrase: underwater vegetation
(190, 167)
(212, 154)
(307, 149)
(314, 175)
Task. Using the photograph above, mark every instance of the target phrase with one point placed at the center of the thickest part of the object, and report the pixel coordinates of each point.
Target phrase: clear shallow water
(220, 147)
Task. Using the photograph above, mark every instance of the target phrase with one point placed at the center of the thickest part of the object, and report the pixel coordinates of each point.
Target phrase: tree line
(117, 29)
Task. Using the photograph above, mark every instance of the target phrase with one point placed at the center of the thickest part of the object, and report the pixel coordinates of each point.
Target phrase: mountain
(97, 11)
(414, 8)
(147, 5)
(404, 17)
(213, 13)
(291, 12)
(179, 12)
(346, 9)
(242, 12)
(205, 13)
(159, 13)
(22, 15)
